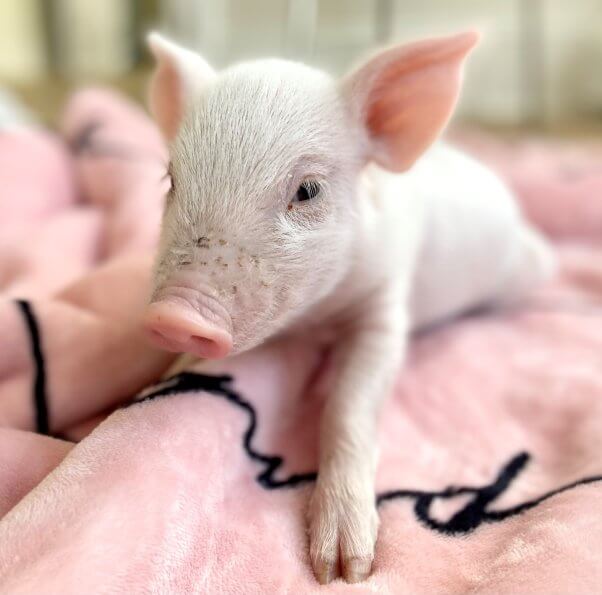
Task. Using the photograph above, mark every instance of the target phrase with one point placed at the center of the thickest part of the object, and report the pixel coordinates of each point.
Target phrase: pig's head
(260, 220)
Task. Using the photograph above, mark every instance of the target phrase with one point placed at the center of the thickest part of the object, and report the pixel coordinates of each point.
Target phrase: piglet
(303, 204)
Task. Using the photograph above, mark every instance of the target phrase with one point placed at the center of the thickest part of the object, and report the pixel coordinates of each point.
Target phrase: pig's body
(477, 248)
(451, 238)
(302, 204)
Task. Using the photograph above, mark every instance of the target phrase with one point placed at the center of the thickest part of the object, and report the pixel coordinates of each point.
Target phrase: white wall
(540, 60)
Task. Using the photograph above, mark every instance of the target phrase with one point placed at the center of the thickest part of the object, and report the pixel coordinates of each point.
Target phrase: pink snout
(175, 325)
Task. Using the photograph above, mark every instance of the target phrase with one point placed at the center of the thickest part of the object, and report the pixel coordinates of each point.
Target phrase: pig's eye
(309, 189)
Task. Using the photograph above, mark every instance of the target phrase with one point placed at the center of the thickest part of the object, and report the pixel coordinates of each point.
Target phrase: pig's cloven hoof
(342, 531)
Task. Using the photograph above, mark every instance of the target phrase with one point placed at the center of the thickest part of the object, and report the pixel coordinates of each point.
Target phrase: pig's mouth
(185, 320)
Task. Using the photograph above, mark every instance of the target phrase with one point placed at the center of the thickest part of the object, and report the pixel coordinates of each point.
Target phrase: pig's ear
(179, 77)
(404, 96)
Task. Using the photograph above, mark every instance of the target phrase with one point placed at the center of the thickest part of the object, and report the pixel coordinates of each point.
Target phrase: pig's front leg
(342, 515)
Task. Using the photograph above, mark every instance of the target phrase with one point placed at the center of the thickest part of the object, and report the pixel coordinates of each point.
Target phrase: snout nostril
(207, 345)
(182, 329)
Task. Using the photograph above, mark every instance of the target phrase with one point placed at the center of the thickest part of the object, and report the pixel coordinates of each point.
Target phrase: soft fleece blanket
(121, 475)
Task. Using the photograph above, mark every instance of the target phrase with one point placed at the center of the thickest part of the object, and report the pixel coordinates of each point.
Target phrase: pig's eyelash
(300, 175)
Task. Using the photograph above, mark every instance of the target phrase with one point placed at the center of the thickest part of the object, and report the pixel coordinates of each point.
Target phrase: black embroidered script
(39, 387)
(472, 515)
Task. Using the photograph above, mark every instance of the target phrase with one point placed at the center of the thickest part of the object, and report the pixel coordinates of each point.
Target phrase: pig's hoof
(343, 524)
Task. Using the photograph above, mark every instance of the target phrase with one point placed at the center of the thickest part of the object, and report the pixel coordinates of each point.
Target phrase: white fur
(373, 256)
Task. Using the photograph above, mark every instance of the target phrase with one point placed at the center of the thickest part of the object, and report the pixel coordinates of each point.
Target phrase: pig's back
(476, 247)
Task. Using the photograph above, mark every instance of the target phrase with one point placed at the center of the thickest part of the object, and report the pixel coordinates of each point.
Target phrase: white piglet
(299, 203)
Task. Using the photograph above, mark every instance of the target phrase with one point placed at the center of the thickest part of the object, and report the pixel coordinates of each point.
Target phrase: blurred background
(539, 66)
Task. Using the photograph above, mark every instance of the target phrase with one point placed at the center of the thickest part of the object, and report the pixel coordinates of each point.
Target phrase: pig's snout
(194, 324)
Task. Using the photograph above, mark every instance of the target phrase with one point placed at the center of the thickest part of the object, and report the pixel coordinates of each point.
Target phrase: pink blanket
(490, 478)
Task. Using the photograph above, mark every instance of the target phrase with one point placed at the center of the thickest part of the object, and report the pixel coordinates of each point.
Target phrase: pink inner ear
(166, 100)
(412, 94)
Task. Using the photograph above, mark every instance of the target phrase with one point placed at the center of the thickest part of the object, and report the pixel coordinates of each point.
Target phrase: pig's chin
(256, 325)
(254, 332)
